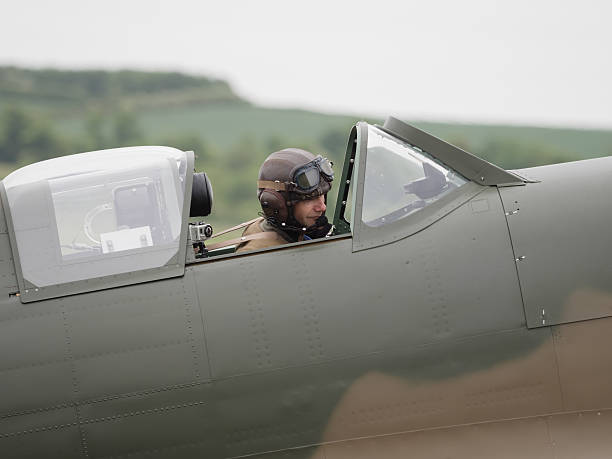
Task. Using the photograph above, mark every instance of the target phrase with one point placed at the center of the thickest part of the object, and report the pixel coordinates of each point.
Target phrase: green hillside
(224, 125)
(57, 90)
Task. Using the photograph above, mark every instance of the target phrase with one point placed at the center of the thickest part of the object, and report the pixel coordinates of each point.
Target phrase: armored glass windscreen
(401, 179)
(97, 214)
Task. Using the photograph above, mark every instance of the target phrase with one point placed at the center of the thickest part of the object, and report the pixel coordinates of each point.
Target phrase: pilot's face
(306, 212)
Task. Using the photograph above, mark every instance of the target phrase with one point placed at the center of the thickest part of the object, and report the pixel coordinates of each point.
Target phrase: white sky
(540, 62)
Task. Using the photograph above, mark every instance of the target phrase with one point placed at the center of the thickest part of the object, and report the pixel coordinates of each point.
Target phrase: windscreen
(401, 179)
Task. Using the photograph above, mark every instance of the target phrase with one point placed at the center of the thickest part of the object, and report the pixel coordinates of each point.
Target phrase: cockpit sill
(228, 252)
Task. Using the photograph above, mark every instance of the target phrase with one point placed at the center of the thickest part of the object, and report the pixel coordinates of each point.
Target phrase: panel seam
(197, 298)
(518, 277)
(558, 367)
(80, 423)
(98, 355)
(75, 386)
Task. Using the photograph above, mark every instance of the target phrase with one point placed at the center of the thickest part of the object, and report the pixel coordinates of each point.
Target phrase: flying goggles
(305, 179)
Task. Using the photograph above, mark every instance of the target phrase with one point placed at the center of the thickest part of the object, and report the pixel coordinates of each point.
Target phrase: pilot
(292, 190)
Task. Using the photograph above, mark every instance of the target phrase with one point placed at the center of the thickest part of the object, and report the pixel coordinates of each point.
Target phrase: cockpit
(109, 218)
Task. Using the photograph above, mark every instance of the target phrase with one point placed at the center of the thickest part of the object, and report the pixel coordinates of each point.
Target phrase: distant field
(583, 143)
(6, 169)
(224, 125)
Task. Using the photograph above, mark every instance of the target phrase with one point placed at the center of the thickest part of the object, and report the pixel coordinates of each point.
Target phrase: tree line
(100, 84)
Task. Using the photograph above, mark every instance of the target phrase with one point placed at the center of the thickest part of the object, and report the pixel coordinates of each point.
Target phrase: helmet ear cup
(273, 205)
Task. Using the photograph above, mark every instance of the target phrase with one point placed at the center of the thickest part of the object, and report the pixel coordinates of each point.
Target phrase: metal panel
(453, 279)
(485, 377)
(295, 453)
(585, 365)
(135, 338)
(450, 383)
(519, 438)
(111, 361)
(35, 371)
(36, 387)
(60, 442)
(177, 423)
(18, 424)
(563, 249)
(581, 435)
(41, 340)
(8, 277)
(3, 227)
(22, 435)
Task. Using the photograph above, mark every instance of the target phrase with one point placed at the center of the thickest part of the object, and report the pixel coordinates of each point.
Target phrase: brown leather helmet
(289, 176)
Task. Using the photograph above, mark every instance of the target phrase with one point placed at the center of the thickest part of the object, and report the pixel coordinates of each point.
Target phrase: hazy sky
(525, 62)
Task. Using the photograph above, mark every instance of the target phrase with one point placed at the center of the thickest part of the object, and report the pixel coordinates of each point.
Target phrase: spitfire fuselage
(467, 337)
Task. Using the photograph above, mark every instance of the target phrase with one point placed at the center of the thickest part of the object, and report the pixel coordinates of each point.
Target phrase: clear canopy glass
(97, 214)
(401, 179)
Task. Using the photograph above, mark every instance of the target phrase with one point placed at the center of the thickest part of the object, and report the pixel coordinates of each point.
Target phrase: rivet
(348, 181)
(352, 161)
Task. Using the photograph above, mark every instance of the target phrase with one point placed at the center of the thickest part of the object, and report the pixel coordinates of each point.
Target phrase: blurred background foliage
(48, 113)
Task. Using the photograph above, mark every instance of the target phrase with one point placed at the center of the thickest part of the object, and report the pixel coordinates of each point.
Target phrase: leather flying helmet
(289, 176)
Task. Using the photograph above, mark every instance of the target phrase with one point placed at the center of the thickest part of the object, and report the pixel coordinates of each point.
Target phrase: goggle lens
(308, 179)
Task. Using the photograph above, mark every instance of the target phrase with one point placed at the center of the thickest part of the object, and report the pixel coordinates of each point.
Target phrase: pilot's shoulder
(254, 227)
(259, 226)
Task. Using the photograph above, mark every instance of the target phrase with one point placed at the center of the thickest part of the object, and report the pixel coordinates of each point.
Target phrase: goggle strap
(271, 185)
